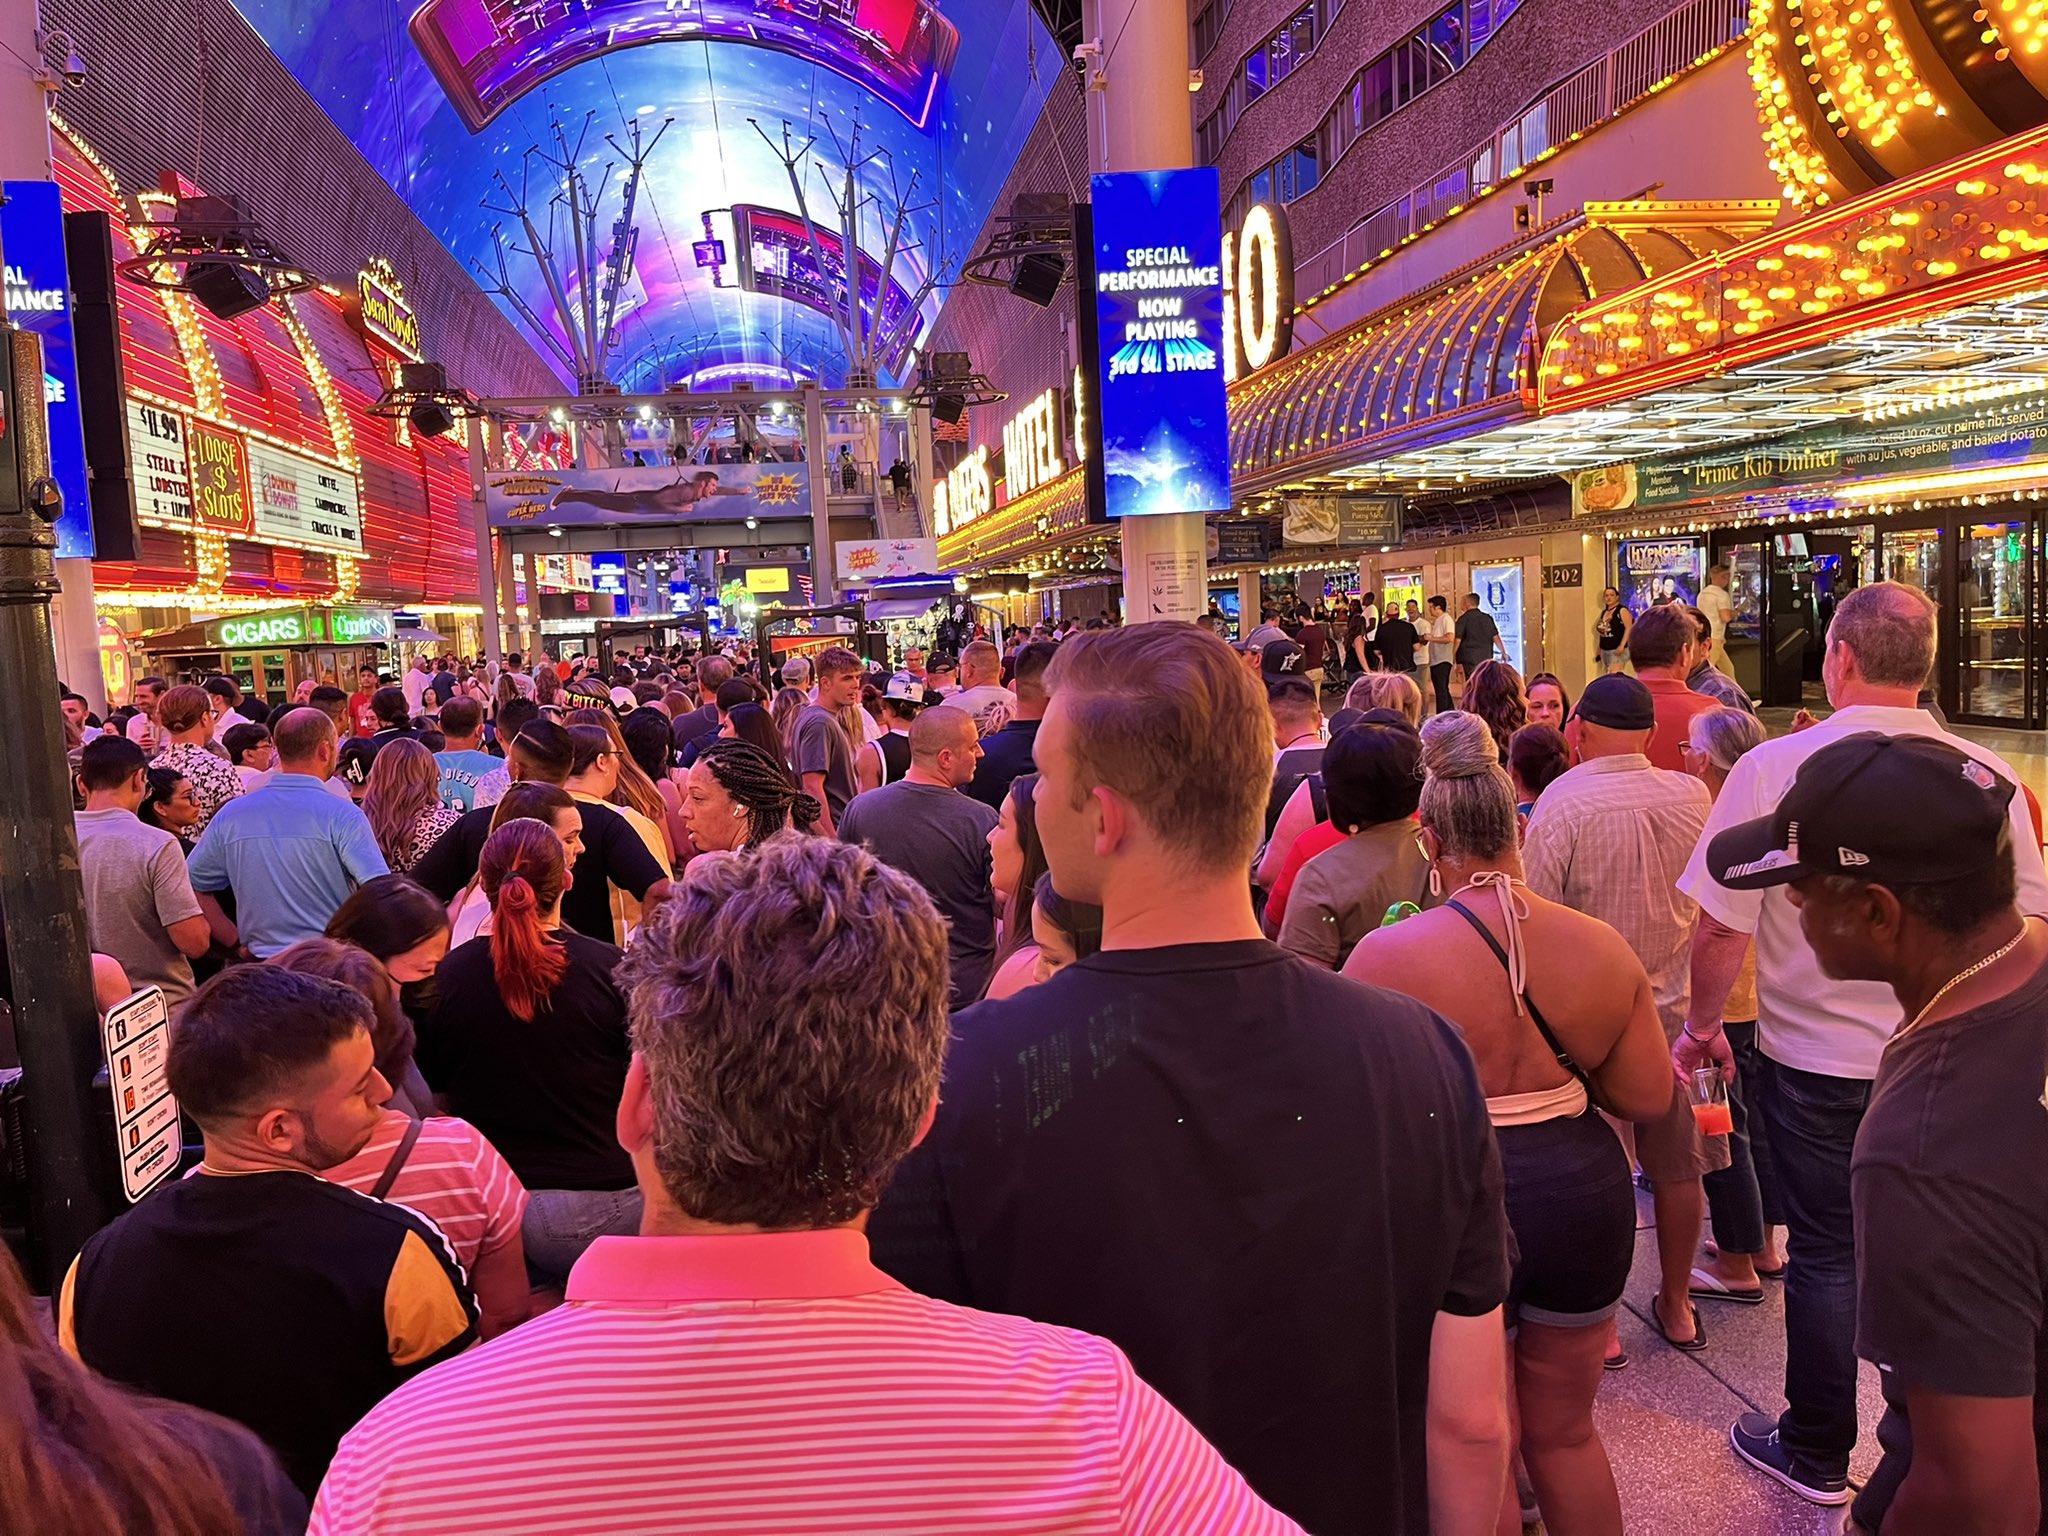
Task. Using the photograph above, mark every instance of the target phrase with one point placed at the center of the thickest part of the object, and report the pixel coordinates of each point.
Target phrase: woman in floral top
(185, 718)
(403, 802)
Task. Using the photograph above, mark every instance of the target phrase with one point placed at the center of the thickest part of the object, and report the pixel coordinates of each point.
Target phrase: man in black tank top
(886, 759)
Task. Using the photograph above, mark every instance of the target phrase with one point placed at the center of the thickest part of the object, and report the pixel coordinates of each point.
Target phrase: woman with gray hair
(1560, 1019)
(1742, 1199)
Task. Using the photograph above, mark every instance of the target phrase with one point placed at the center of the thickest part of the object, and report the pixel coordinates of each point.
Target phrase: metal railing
(1580, 101)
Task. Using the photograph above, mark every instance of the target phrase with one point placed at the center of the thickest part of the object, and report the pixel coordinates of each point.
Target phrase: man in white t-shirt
(1719, 608)
(417, 676)
(981, 681)
(1442, 634)
(1819, 1039)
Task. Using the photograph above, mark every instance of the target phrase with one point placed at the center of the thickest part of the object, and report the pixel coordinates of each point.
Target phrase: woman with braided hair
(739, 796)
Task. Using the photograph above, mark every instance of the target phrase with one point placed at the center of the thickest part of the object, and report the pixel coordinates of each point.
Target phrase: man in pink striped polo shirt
(742, 1365)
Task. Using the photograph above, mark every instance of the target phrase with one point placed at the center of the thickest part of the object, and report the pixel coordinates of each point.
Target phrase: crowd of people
(566, 1067)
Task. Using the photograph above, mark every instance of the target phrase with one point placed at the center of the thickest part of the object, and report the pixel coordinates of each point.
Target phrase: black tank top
(895, 750)
(1610, 631)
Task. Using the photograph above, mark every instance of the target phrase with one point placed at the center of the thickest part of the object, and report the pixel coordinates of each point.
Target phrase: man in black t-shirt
(1478, 636)
(613, 853)
(1277, 1190)
(255, 1288)
(1949, 1179)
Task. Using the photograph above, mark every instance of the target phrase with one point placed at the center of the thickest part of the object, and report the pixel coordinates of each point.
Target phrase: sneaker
(1755, 1438)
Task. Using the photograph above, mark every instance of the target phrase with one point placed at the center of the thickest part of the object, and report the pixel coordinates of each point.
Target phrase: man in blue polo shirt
(292, 852)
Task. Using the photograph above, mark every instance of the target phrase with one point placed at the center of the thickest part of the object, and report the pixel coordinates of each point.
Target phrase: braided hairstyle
(760, 784)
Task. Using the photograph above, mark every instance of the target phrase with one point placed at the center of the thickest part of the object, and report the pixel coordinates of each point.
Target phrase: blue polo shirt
(291, 852)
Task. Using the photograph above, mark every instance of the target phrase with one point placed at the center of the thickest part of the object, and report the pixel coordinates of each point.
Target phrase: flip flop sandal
(1618, 1361)
(1708, 1286)
(1691, 1346)
(1712, 1250)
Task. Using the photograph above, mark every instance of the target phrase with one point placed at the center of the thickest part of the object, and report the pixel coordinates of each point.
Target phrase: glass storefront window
(1994, 592)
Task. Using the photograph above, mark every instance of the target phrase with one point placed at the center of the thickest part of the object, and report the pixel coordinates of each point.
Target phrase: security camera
(63, 65)
(1088, 59)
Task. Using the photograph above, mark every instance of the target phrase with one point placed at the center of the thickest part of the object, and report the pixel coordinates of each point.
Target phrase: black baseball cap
(1617, 701)
(1892, 810)
(1280, 658)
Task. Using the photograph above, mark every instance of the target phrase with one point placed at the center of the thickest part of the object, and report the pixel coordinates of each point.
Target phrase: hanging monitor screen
(1158, 413)
(776, 258)
(489, 53)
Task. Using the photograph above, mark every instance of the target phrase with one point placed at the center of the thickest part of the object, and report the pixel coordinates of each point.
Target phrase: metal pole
(486, 564)
(42, 900)
(820, 470)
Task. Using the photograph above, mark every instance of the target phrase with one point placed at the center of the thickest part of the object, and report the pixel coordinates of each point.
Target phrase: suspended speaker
(225, 288)
(1037, 277)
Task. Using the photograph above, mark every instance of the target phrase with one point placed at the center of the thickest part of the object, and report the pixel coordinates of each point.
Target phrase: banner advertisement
(573, 498)
(1243, 543)
(859, 560)
(302, 501)
(219, 467)
(1652, 571)
(1158, 403)
(1342, 520)
(1962, 437)
(1500, 598)
(38, 298)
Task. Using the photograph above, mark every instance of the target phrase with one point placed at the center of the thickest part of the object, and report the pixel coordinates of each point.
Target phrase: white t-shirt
(1805, 1019)
(1718, 607)
(1443, 638)
(415, 685)
(978, 698)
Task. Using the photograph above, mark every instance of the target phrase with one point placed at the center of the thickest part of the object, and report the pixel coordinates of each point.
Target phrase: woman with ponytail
(1560, 1018)
(739, 795)
(529, 1045)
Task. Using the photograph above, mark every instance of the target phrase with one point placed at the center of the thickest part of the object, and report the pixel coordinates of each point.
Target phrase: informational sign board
(1173, 584)
(608, 573)
(38, 299)
(137, 1035)
(859, 560)
(163, 479)
(1160, 436)
(302, 501)
(681, 493)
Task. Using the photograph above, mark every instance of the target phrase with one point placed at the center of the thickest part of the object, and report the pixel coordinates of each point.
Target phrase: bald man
(924, 826)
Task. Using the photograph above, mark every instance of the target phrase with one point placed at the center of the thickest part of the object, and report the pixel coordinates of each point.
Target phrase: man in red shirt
(1662, 647)
(362, 718)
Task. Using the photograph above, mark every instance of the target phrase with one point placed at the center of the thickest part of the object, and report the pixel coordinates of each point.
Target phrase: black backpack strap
(1318, 798)
(1564, 1057)
(396, 1166)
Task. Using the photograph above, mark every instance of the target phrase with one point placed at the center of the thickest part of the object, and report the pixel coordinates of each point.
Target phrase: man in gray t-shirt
(924, 826)
(139, 905)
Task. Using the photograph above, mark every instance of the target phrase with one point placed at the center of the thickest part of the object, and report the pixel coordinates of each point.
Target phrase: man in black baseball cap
(1899, 854)
(1278, 659)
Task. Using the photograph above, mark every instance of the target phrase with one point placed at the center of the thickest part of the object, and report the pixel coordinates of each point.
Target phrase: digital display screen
(1162, 436)
(38, 293)
(776, 258)
(489, 53)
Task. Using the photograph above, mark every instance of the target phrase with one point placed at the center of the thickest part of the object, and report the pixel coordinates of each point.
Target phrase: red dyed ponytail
(523, 873)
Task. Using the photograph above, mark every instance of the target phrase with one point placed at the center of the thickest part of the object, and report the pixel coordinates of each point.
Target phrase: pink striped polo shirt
(454, 1177)
(779, 1384)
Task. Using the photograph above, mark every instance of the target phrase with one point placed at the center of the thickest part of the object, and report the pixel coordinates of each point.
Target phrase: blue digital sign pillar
(38, 298)
(1152, 345)
(1161, 426)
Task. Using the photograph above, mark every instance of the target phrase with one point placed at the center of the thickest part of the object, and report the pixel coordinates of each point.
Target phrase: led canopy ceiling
(773, 108)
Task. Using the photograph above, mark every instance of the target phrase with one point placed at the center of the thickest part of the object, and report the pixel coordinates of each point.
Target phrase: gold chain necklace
(1964, 975)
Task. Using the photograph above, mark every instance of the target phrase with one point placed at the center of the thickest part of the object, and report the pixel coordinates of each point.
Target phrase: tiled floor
(1665, 1418)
